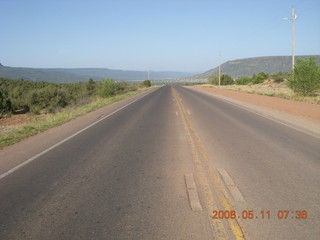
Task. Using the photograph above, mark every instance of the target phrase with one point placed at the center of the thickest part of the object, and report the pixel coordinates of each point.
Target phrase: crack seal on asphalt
(193, 193)
(236, 194)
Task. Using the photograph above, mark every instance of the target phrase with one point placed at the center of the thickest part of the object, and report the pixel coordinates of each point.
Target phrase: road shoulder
(299, 115)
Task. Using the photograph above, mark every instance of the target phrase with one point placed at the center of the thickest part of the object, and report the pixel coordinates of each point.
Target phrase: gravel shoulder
(300, 115)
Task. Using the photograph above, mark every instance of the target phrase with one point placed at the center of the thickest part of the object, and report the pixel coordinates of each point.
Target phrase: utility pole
(293, 19)
(219, 70)
(149, 74)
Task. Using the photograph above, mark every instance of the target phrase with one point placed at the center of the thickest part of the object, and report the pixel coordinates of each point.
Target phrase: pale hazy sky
(181, 35)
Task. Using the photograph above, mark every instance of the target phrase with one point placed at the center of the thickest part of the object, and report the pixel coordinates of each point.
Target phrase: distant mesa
(249, 66)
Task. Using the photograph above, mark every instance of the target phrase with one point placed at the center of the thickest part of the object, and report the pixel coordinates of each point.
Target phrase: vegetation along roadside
(47, 105)
(303, 84)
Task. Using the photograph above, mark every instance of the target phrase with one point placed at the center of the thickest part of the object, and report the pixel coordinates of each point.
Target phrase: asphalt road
(124, 177)
(275, 167)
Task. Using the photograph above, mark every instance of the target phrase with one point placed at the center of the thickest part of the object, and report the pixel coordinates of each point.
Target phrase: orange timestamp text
(264, 214)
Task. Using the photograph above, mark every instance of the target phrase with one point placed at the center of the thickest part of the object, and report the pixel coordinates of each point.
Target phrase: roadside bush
(108, 88)
(224, 79)
(259, 78)
(243, 81)
(280, 76)
(121, 87)
(49, 98)
(214, 79)
(38, 97)
(147, 83)
(5, 104)
(278, 79)
(132, 87)
(305, 78)
(18, 93)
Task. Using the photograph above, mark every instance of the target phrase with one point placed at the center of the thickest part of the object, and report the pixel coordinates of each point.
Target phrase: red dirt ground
(300, 109)
(14, 120)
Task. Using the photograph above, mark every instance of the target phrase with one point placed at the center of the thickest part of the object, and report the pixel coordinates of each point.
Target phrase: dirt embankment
(14, 120)
(304, 110)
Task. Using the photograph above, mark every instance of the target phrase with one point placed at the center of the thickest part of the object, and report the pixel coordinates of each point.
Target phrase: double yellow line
(201, 161)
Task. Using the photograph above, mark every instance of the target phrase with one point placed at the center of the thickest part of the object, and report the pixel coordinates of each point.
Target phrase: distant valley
(69, 75)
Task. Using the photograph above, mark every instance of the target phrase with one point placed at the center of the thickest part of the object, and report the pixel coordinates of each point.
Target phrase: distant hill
(249, 66)
(39, 75)
(68, 75)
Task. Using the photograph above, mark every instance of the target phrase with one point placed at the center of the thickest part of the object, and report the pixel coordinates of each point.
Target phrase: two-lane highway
(124, 177)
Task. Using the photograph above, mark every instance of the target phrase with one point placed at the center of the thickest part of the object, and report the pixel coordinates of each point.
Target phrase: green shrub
(90, 87)
(108, 88)
(121, 87)
(18, 93)
(5, 103)
(214, 79)
(280, 76)
(44, 97)
(278, 79)
(243, 81)
(48, 98)
(224, 79)
(147, 83)
(259, 78)
(132, 87)
(305, 78)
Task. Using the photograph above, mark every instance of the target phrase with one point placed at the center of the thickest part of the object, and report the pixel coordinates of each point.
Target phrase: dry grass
(280, 90)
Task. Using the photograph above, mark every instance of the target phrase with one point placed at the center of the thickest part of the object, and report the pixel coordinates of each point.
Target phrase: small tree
(305, 78)
(226, 80)
(90, 86)
(147, 83)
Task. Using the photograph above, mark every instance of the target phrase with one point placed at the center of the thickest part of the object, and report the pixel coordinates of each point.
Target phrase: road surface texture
(130, 176)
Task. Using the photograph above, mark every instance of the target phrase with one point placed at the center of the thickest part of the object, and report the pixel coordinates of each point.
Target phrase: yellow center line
(218, 227)
(213, 173)
(198, 148)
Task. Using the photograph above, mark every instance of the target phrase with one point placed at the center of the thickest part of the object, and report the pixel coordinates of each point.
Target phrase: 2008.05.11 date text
(265, 214)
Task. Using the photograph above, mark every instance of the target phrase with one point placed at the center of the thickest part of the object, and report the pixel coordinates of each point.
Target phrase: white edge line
(262, 115)
(66, 139)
